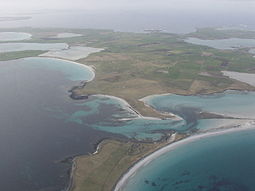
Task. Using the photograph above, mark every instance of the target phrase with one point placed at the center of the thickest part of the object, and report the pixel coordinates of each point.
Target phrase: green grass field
(135, 65)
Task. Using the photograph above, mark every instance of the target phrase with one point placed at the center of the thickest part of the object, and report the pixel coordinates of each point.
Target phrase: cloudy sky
(123, 4)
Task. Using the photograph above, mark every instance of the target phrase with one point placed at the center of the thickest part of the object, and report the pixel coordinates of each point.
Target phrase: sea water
(41, 125)
(33, 142)
(218, 163)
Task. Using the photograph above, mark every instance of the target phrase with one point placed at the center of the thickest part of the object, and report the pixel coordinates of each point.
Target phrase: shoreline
(151, 156)
(147, 98)
(102, 145)
(132, 101)
(161, 150)
(127, 106)
(73, 62)
(172, 146)
(97, 147)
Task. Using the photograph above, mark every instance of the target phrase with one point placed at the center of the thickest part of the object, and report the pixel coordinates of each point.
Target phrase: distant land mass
(14, 18)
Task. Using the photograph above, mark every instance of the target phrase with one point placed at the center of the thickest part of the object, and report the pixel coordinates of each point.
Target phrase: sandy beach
(132, 171)
(242, 77)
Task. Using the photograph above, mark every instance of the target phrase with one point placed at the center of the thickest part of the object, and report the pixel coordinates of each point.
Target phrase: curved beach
(142, 163)
(91, 69)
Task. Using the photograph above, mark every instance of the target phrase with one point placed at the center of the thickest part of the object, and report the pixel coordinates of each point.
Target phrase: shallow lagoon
(72, 53)
(230, 103)
(231, 43)
(14, 36)
(13, 47)
(68, 35)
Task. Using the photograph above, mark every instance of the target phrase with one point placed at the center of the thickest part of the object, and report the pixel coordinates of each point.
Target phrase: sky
(122, 4)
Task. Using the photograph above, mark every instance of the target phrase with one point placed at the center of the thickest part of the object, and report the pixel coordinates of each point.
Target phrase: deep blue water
(32, 141)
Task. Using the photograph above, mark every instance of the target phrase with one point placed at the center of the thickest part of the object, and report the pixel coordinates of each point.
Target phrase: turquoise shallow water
(116, 116)
(14, 36)
(73, 71)
(13, 47)
(113, 115)
(219, 163)
(208, 124)
(230, 103)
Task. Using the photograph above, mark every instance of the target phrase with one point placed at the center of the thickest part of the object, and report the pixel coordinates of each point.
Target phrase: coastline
(126, 105)
(153, 154)
(139, 150)
(91, 69)
(137, 108)
(168, 148)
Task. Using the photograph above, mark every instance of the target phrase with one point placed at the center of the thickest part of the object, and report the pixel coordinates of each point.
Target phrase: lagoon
(72, 53)
(189, 107)
(14, 36)
(223, 44)
(14, 47)
(68, 35)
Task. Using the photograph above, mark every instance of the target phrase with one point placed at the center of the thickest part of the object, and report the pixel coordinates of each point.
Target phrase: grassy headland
(99, 172)
(136, 65)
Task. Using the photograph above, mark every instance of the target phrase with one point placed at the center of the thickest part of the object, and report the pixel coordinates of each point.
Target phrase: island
(132, 66)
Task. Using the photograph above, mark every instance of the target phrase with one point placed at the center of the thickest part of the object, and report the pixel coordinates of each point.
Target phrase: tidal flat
(248, 78)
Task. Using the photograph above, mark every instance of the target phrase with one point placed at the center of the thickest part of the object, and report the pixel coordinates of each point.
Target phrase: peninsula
(132, 66)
